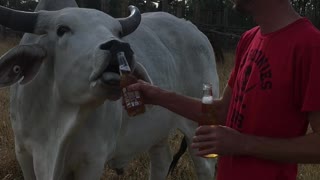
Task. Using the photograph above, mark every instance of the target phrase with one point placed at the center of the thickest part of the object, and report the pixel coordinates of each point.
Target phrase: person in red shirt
(272, 95)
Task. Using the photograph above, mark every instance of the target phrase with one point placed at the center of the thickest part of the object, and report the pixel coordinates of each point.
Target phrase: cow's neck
(41, 105)
(55, 4)
(67, 120)
(56, 121)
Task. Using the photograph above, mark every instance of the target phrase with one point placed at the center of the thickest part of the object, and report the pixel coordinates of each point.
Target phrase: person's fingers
(124, 104)
(206, 129)
(142, 81)
(134, 87)
(207, 151)
(139, 86)
(202, 138)
(203, 144)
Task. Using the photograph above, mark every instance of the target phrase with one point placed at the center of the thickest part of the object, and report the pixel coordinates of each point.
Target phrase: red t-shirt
(274, 85)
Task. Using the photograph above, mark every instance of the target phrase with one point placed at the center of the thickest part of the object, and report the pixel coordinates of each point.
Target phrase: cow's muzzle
(109, 73)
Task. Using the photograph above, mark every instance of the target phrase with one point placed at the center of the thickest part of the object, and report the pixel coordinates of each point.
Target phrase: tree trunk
(165, 5)
(2, 32)
(226, 19)
(317, 12)
(82, 3)
(196, 11)
(124, 8)
(221, 12)
(303, 8)
(183, 8)
(179, 9)
(105, 6)
(148, 5)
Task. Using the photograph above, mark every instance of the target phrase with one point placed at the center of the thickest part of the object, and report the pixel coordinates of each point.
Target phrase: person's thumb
(134, 87)
(142, 81)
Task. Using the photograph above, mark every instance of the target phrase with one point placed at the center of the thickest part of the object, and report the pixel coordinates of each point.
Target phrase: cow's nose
(109, 45)
(115, 46)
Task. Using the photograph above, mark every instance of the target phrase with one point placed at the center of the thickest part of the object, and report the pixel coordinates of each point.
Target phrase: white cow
(65, 104)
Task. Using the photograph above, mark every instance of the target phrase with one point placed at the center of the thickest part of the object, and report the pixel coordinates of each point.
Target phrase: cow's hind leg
(160, 159)
(204, 167)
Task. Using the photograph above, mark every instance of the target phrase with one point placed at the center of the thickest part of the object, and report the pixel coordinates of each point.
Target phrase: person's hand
(149, 92)
(219, 140)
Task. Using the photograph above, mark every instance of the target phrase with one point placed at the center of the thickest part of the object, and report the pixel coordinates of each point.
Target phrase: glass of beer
(207, 111)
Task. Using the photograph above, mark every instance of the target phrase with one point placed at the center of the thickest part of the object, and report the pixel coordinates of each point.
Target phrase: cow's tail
(177, 156)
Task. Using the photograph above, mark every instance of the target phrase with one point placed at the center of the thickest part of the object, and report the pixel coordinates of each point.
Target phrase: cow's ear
(22, 61)
(141, 73)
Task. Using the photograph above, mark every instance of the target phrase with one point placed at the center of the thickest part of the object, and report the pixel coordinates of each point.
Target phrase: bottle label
(131, 99)
(124, 67)
(208, 114)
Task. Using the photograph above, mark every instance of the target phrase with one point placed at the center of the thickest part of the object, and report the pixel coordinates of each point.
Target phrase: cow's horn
(132, 22)
(18, 20)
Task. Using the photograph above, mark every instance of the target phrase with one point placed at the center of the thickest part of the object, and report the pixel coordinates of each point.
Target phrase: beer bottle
(207, 111)
(133, 101)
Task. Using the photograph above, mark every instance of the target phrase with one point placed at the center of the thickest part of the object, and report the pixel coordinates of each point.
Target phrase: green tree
(26, 5)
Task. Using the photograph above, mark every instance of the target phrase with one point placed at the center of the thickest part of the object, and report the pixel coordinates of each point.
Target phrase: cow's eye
(16, 69)
(62, 30)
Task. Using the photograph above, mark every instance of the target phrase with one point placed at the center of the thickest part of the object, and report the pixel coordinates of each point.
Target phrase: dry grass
(9, 168)
(138, 168)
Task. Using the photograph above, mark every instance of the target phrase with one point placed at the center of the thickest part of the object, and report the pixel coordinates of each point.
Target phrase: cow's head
(78, 46)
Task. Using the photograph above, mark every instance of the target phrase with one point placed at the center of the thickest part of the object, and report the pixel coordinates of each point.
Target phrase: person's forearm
(305, 149)
(187, 107)
(222, 106)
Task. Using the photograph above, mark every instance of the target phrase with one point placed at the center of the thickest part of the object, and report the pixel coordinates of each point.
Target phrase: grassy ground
(138, 169)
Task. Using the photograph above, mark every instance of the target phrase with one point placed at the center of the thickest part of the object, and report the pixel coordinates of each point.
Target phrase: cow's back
(176, 54)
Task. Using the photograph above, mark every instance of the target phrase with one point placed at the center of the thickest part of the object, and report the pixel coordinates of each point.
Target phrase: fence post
(196, 15)
(225, 19)
(180, 6)
(165, 6)
(2, 32)
(124, 8)
(104, 6)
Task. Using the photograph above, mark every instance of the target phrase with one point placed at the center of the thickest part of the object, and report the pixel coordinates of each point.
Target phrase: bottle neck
(207, 93)
(124, 67)
(124, 73)
(207, 90)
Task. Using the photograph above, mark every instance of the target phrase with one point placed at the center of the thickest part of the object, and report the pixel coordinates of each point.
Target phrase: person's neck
(276, 19)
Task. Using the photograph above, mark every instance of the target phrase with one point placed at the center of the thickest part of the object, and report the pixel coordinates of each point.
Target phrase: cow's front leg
(26, 163)
(160, 160)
